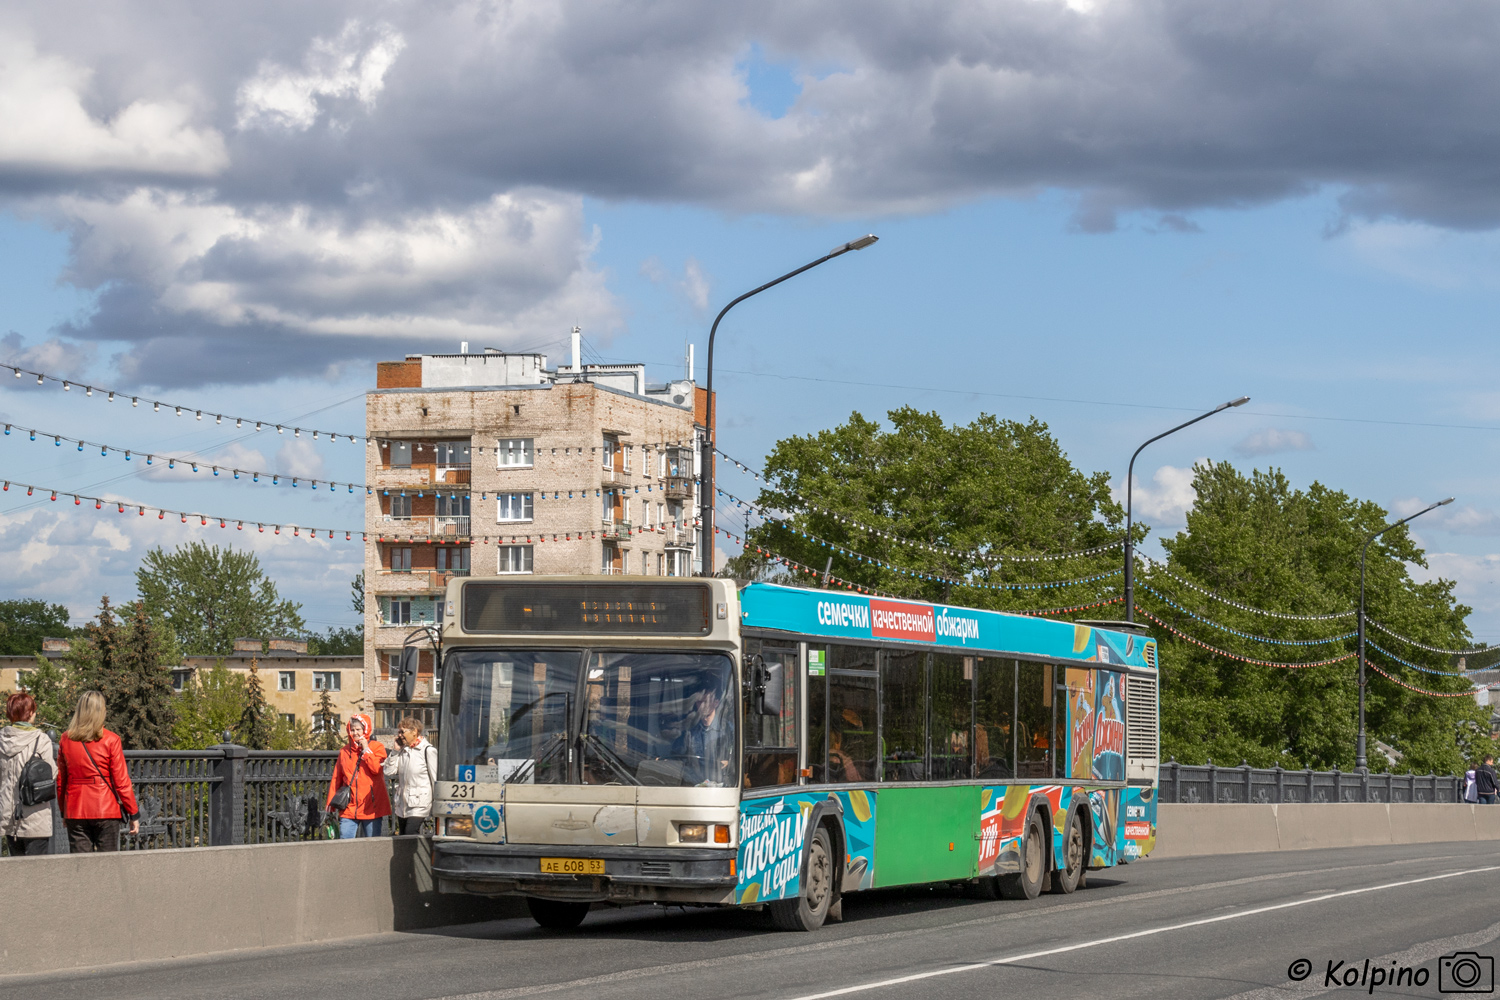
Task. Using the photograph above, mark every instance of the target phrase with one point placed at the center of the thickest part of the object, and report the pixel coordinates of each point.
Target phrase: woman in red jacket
(93, 787)
(360, 766)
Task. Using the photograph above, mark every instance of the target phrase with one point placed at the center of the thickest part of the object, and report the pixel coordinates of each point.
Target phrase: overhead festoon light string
(1426, 670)
(1162, 568)
(1235, 656)
(1244, 635)
(1412, 687)
(1043, 612)
(1432, 649)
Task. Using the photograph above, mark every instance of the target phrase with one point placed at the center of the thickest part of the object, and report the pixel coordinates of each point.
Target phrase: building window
(661, 564)
(329, 721)
(400, 507)
(391, 662)
(645, 564)
(326, 680)
(401, 559)
(515, 559)
(453, 505)
(613, 560)
(611, 450)
(453, 454)
(452, 560)
(514, 453)
(513, 507)
(397, 612)
(180, 678)
(289, 719)
(286, 680)
(627, 457)
(400, 454)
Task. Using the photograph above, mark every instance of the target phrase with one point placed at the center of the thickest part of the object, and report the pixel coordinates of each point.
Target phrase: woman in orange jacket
(93, 786)
(360, 768)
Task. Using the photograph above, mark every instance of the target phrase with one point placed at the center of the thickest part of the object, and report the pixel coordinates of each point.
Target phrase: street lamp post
(706, 499)
(1129, 492)
(1361, 762)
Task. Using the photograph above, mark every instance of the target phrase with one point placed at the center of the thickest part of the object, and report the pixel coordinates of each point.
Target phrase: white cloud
(300, 458)
(695, 285)
(48, 129)
(351, 67)
(1167, 500)
(1272, 440)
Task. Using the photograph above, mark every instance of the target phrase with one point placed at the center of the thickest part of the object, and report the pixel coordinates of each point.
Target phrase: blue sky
(1109, 215)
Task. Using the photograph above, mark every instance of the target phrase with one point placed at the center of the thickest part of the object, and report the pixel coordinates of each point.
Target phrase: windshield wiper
(529, 768)
(611, 758)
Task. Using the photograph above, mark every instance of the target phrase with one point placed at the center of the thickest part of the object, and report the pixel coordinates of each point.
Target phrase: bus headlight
(459, 826)
(692, 833)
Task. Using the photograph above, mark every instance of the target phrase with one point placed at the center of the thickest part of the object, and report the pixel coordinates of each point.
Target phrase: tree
(210, 705)
(212, 596)
(933, 509)
(49, 685)
(357, 593)
(1257, 541)
(327, 735)
(337, 642)
(258, 720)
(24, 623)
(130, 663)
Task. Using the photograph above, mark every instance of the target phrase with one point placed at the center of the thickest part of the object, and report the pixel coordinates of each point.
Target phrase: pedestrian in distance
(1471, 793)
(1485, 785)
(356, 793)
(93, 786)
(27, 828)
(414, 766)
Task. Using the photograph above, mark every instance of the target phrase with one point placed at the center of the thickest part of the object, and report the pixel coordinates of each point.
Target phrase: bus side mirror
(768, 686)
(406, 678)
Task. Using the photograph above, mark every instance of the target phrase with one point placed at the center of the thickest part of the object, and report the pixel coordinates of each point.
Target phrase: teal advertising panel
(854, 616)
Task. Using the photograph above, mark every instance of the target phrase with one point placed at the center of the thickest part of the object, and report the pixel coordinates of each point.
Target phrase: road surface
(1233, 926)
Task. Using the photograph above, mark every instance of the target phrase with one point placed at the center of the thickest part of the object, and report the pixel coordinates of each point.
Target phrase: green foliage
(24, 623)
(130, 662)
(972, 492)
(357, 593)
(212, 596)
(258, 719)
(1257, 541)
(291, 736)
(328, 736)
(212, 703)
(337, 642)
(49, 685)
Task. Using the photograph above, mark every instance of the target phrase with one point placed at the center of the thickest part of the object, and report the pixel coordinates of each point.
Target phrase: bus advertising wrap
(853, 616)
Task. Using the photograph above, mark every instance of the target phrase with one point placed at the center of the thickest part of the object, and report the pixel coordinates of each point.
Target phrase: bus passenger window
(771, 740)
(903, 730)
(952, 716)
(994, 712)
(817, 713)
(852, 754)
(1034, 698)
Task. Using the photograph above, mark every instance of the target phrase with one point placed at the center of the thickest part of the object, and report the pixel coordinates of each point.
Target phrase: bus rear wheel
(1027, 883)
(808, 911)
(556, 915)
(1071, 875)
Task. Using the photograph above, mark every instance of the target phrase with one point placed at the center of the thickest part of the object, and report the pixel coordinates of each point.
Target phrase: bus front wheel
(556, 915)
(810, 908)
(1027, 883)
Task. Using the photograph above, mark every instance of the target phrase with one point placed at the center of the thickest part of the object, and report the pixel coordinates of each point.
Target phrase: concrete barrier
(100, 909)
(1196, 829)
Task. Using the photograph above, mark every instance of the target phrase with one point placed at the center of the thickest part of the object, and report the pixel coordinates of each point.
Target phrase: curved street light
(706, 500)
(1361, 763)
(1130, 483)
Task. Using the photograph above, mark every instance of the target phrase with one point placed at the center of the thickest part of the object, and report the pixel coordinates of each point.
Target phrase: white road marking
(1130, 936)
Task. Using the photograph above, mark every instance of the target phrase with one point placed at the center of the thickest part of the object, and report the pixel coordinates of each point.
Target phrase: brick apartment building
(494, 463)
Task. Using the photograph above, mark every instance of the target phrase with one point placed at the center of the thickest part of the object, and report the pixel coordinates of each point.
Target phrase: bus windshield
(647, 718)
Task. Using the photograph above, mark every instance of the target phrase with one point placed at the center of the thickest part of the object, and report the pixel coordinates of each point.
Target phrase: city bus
(684, 741)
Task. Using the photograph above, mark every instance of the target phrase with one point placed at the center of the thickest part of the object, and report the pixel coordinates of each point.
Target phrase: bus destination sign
(587, 608)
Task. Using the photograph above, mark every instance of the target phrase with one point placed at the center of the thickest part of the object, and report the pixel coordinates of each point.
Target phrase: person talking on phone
(414, 766)
(360, 769)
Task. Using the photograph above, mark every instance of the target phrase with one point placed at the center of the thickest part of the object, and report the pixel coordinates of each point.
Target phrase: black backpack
(37, 783)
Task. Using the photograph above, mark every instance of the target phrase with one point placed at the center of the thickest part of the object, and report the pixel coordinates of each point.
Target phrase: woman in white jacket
(414, 766)
(28, 829)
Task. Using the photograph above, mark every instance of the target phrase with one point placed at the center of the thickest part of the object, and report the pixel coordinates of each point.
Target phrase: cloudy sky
(1107, 214)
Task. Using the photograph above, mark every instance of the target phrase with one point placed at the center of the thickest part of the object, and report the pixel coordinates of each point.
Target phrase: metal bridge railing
(1211, 783)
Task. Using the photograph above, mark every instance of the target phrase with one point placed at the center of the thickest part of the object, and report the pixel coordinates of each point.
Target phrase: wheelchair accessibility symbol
(487, 820)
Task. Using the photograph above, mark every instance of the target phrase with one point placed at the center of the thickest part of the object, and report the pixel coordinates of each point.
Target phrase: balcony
(616, 531)
(394, 476)
(447, 524)
(421, 527)
(452, 474)
(414, 581)
(677, 538)
(678, 487)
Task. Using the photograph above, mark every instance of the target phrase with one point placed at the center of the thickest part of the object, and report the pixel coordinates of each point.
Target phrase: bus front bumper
(631, 874)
